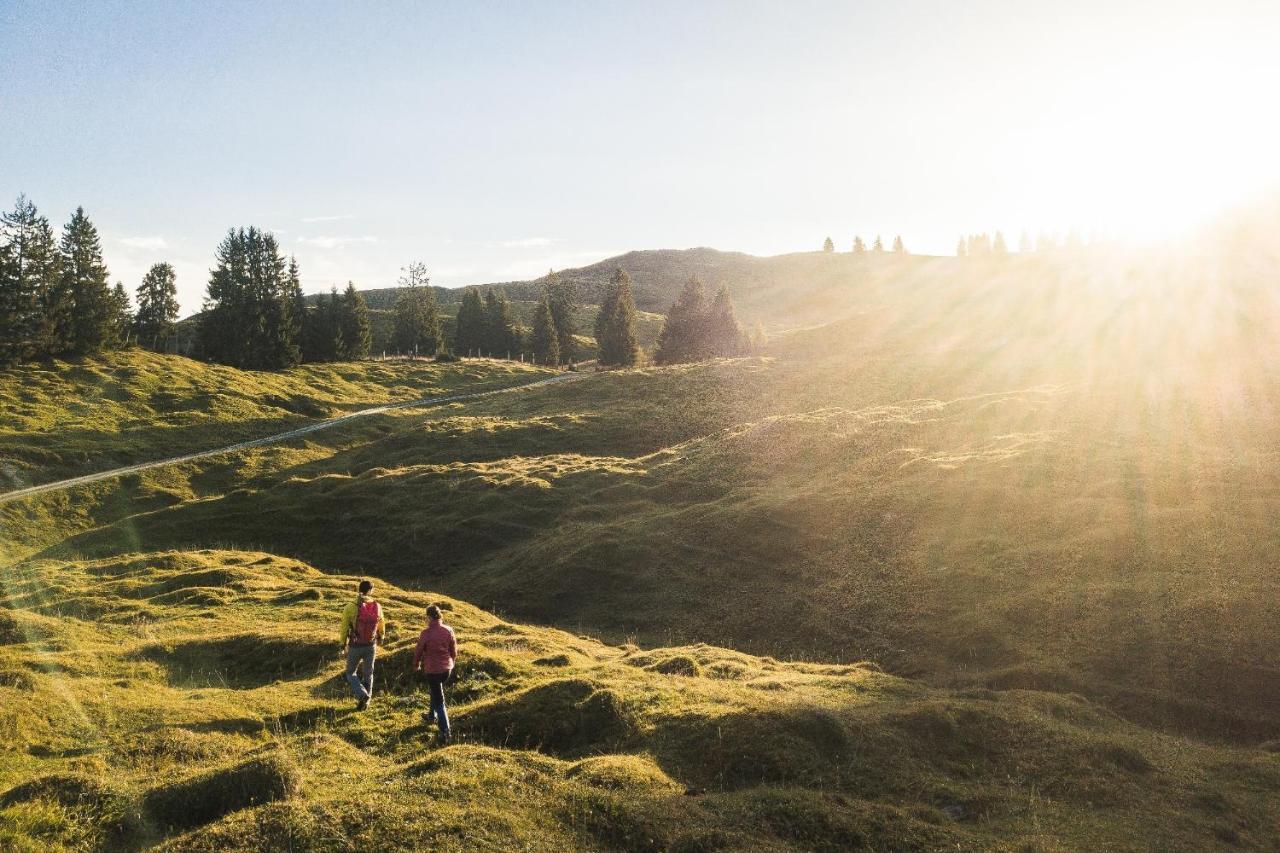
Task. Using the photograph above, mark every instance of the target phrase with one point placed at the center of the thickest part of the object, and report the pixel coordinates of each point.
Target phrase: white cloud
(337, 218)
(335, 242)
(152, 243)
(527, 243)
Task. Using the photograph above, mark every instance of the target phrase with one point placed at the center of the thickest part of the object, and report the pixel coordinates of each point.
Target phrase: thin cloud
(527, 243)
(337, 218)
(335, 242)
(152, 243)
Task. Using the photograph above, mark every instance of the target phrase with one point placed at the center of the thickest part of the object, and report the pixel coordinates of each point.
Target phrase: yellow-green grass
(67, 418)
(193, 700)
(1001, 540)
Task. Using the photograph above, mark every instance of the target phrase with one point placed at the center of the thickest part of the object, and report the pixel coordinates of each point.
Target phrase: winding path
(328, 423)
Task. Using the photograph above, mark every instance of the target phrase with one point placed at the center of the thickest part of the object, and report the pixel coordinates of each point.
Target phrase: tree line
(860, 247)
(56, 299)
(55, 294)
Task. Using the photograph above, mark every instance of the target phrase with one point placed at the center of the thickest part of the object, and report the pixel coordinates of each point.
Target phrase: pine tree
(828, 246)
(499, 327)
(249, 305)
(85, 282)
(962, 248)
(683, 336)
(471, 328)
(859, 247)
(616, 323)
(543, 339)
(417, 316)
(757, 339)
(564, 305)
(878, 245)
(299, 313)
(121, 316)
(998, 247)
(898, 247)
(722, 330)
(34, 311)
(157, 307)
(356, 334)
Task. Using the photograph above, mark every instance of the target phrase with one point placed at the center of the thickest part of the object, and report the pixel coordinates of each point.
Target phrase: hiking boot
(443, 738)
(361, 704)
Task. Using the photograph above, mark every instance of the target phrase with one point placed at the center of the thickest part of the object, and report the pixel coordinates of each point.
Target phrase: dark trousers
(435, 683)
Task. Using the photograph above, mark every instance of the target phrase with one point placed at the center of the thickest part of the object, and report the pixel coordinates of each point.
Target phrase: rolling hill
(1038, 493)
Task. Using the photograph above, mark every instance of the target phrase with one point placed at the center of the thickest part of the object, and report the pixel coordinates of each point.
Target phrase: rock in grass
(206, 797)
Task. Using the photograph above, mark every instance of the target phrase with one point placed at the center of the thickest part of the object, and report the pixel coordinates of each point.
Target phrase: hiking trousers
(360, 657)
(435, 683)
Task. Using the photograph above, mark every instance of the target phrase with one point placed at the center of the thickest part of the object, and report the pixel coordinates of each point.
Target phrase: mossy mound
(568, 716)
(208, 796)
(637, 774)
(242, 660)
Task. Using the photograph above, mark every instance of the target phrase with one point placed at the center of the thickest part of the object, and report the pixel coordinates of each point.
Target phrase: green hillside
(193, 700)
(1030, 490)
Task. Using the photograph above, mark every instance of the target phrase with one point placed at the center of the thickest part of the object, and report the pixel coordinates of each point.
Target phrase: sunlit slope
(194, 700)
(67, 418)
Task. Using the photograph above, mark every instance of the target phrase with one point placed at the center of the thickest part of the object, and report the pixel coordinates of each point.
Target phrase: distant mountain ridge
(780, 288)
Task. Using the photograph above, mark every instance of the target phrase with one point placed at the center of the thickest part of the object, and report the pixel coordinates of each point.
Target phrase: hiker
(362, 628)
(435, 655)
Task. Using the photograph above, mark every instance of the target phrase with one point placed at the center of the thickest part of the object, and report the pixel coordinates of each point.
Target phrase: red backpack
(365, 627)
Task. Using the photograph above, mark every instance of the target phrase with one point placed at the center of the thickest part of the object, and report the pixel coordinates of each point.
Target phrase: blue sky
(497, 140)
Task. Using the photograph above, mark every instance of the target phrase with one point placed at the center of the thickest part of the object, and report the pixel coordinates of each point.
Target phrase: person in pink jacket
(436, 654)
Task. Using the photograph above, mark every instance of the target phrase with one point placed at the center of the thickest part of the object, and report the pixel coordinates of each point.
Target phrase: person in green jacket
(362, 629)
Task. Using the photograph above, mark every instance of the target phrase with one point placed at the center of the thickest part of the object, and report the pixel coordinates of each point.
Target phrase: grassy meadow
(979, 554)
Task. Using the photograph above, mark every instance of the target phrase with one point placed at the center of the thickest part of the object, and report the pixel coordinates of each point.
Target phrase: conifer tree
(564, 305)
(616, 323)
(157, 306)
(85, 283)
(878, 245)
(683, 336)
(32, 305)
(723, 332)
(859, 247)
(121, 316)
(249, 305)
(500, 328)
(1024, 243)
(828, 246)
(998, 247)
(471, 326)
(543, 339)
(298, 311)
(332, 345)
(356, 334)
(961, 248)
(417, 316)
(898, 247)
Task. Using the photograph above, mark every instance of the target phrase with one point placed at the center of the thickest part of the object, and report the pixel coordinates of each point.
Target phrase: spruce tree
(86, 284)
(998, 247)
(616, 323)
(683, 336)
(898, 247)
(544, 340)
(859, 247)
(356, 334)
(417, 316)
(121, 316)
(34, 311)
(249, 305)
(297, 302)
(878, 245)
(157, 307)
(471, 326)
(564, 306)
(961, 248)
(500, 331)
(723, 332)
(828, 246)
